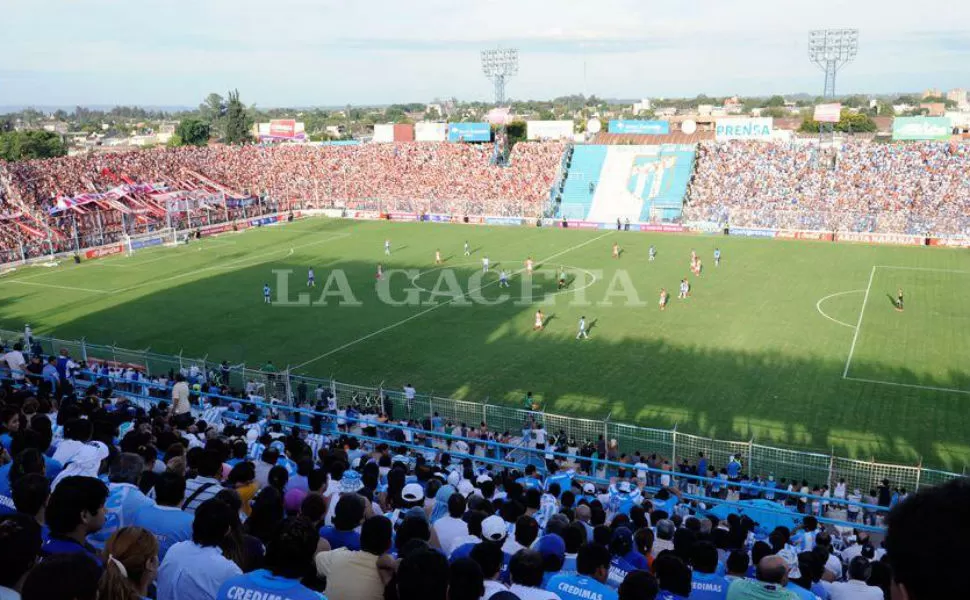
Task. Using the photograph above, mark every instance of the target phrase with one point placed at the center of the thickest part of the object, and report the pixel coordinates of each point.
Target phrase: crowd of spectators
(918, 188)
(456, 179)
(192, 499)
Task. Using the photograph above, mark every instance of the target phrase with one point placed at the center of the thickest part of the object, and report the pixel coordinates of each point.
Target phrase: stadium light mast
(832, 49)
(499, 64)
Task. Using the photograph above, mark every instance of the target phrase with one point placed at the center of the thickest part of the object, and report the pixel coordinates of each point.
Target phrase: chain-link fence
(282, 386)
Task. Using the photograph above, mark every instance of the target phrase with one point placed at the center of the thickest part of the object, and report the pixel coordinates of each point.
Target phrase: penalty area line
(908, 385)
(437, 306)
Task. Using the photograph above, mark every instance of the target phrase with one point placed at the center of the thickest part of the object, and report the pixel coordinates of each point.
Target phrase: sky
(336, 52)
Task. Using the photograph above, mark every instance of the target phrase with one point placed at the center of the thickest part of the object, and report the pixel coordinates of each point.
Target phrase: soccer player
(683, 289)
(562, 277)
(503, 279)
(899, 299)
(310, 278)
(663, 299)
(468, 251)
(653, 252)
(616, 250)
(485, 265)
(582, 329)
(266, 293)
(693, 255)
(528, 265)
(697, 267)
(540, 318)
(437, 257)
(380, 271)
(717, 257)
(387, 247)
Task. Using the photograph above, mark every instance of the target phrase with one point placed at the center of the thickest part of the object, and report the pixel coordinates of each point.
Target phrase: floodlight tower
(832, 49)
(499, 64)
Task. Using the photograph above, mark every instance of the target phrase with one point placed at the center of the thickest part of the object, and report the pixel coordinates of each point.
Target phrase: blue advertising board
(469, 132)
(146, 243)
(639, 127)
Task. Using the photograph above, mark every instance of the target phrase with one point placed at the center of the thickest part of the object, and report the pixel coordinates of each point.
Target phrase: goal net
(162, 237)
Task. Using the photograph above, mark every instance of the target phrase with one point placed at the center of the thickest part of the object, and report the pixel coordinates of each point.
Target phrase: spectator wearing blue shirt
(706, 584)
(564, 479)
(165, 518)
(30, 495)
(530, 481)
(196, 569)
(673, 577)
(73, 576)
(75, 510)
(552, 548)
(734, 468)
(26, 462)
(347, 517)
(289, 556)
(124, 497)
(624, 559)
(702, 464)
(639, 585)
(593, 566)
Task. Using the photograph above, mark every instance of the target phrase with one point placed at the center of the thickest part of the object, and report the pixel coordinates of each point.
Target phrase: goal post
(161, 237)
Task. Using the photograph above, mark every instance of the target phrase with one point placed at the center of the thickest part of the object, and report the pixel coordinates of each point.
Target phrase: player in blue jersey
(652, 252)
(266, 293)
(289, 556)
(717, 257)
(310, 278)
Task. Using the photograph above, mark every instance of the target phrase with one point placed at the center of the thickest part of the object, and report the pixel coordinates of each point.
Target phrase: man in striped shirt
(206, 484)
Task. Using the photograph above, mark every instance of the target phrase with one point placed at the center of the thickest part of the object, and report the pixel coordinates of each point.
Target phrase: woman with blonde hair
(130, 564)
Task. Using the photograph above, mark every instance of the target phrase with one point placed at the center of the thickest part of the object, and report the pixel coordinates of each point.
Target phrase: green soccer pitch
(791, 343)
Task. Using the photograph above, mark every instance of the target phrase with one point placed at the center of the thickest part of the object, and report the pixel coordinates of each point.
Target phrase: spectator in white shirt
(451, 528)
(16, 362)
(856, 587)
(78, 454)
(180, 398)
(490, 558)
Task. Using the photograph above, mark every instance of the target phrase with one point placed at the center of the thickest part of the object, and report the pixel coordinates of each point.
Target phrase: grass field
(791, 343)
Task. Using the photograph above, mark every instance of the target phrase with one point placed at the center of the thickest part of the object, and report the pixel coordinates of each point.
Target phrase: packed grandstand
(182, 486)
(910, 188)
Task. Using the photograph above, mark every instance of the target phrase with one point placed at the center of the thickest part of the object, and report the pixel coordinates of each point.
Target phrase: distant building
(934, 109)
(958, 95)
(58, 127)
(642, 106)
(932, 93)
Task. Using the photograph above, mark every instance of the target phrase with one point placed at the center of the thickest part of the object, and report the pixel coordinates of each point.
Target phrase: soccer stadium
(703, 356)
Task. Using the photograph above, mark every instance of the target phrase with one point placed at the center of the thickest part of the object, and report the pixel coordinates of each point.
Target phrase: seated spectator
(856, 587)
(348, 516)
(195, 569)
(77, 452)
(770, 584)
(355, 574)
(490, 558)
(639, 585)
(73, 576)
(30, 496)
(423, 575)
(452, 528)
(673, 577)
(465, 580)
(706, 584)
(165, 518)
(206, 484)
(19, 549)
(124, 497)
(131, 565)
(288, 557)
(75, 511)
(593, 567)
(928, 541)
(526, 573)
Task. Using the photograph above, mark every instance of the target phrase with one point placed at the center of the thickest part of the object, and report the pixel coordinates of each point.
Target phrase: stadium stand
(582, 179)
(355, 503)
(918, 188)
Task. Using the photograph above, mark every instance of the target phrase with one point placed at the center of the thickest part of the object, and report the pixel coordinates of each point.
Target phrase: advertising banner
(469, 132)
(750, 232)
(744, 129)
(824, 236)
(146, 243)
(704, 226)
(430, 132)
(367, 215)
(828, 113)
(503, 221)
(922, 128)
(639, 127)
(216, 229)
(549, 130)
(103, 251)
(403, 132)
(282, 128)
(663, 227)
(954, 242)
(383, 133)
(580, 225)
(880, 238)
(400, 216)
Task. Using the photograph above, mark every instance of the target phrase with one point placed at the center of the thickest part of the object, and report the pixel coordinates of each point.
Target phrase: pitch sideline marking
(818, 307)
(908, 385)
(60, 287)
(437, 306)
(858, 327)
(904, 268)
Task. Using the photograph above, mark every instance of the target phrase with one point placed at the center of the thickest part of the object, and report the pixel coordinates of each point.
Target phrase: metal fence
(622, 438)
